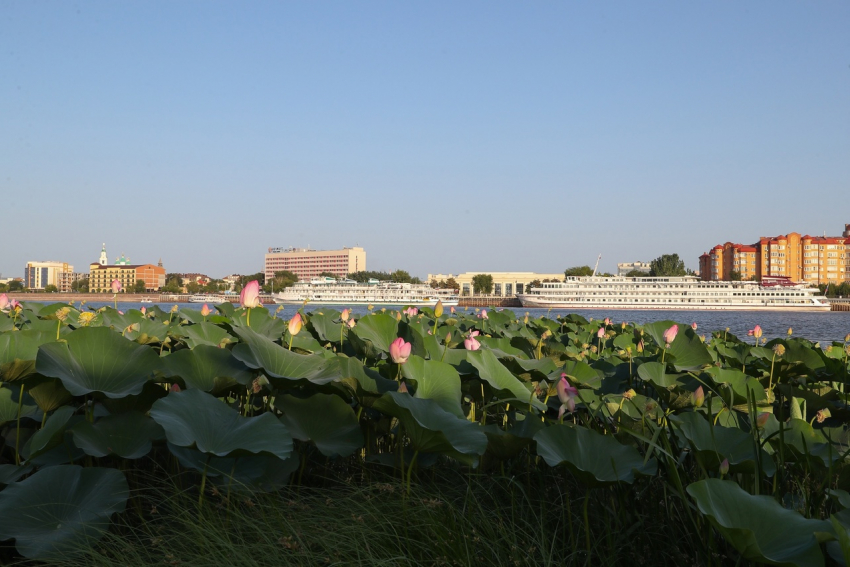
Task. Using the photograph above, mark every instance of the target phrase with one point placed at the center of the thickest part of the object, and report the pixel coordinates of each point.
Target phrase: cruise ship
(680, 293)
(328, 291)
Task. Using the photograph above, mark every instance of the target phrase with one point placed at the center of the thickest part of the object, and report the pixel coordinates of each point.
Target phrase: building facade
(39, 275)
(102, 274)
(625, 268)
(306, 263)
(505, 284)
(802, 258)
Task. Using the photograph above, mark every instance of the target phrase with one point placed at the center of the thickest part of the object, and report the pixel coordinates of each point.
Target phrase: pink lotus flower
(346, 313)
(699, 397)
(205, 310)
(175, 387)
(116, 286)
(750, 333)
(601, 332)
(400, 351)
(15, 304)
(670, 334)
(295, 324)
(250, 296)
(567, 394)
(144, 310)
(411, 311)
(607, 320)
(473, 333)
(452, 309)
(471, 344)
(350, 323)
(483, 314)
(694, 326)
(757, 332)
(4, 302)
(761, 420)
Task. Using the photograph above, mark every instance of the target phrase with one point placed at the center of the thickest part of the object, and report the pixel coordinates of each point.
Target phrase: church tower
(103, 259)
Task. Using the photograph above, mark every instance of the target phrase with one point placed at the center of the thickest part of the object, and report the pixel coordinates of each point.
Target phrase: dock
(488, 301)
(842, 304)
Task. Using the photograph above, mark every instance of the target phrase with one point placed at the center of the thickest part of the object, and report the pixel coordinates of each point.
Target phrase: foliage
(835, 290)
(667, 265)
(735, 276)
(139, 286)
(287, 273)
(50, 288)
(449, 283)
(365, 276)
(15, 285)
(482, 284)
(578, 271)
(636, 274)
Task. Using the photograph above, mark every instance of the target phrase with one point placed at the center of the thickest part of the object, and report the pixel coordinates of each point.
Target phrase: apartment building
(39, 275)
(306, 263)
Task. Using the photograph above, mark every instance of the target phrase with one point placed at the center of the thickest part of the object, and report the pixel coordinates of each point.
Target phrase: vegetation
(408, 438)
(400, 276)
(449, 283)
(835, 290)
(667, 265)
(139, 286)
(578, 271)
(482, 284)
(80, 286)
(636, 274)
(50, 288)
(282, 280)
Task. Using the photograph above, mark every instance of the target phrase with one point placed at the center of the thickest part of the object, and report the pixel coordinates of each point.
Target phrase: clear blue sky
(440, 136)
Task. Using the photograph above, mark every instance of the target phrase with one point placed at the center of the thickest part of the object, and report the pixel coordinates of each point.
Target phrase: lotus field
(741, 444)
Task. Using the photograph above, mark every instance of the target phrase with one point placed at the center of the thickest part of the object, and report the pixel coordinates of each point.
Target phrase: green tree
(50, 288)
(364, 276)
(281, 280)
(400, 276)
(667, 265)
(139, 286)
(534, 284)
(578, 271)
(636, 274)
(482, 284)
(193, 288)
(735, 276)
(321, 275)
(80, 286)
(173, 280)
(15, 285)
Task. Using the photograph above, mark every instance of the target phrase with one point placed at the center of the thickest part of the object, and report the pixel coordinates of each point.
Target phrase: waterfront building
(66, 279)
(101, 274)
(625, 268)
(505, 284)
(39, 275)
(231, 281)
(802, 258)
(307, 263)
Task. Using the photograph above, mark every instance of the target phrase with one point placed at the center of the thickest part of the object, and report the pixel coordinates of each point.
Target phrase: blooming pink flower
(471, 344)
(205, 310)
(411, 311)
(295, 324)
(670, 334)
(483, 314)
(250, 296)
(4, 302)
(400, 351)
(116, 286)
(567, 394)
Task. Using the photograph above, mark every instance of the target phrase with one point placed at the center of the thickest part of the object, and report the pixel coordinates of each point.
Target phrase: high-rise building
(306, 263)
(801, 258)
(39, 275)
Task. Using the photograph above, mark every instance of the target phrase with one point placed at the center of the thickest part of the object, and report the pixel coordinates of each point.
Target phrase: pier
(488, 301)
(842, 304)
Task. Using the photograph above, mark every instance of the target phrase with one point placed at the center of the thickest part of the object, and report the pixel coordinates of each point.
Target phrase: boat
(205, 298)
(330, 291)
(679, 293)
(146, 300)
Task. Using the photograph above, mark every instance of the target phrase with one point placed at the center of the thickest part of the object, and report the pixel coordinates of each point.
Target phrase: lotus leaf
(258, 351)
(151, 331)
(687, 350)
(740, 384)
(262, 322)
(325, 325)
(18, 351)
(324, 419)
(758, 527)
(435, 380)
(379, 329)
(581, 373)
(128, 435)
(506, 444)
(432, 429)
(51, 435)
(207, 368)
(49, 394)
(500, 378)
(11, 473)
(206, 334)
(260, 471)
(593, 458)
(196, 419)
(98, 360)
(9, 398)
(61, 510)
(362, 379)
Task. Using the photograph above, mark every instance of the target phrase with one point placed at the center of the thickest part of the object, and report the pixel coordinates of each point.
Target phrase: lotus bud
(847, 349)
(629, 394)
(790, 330)
(702, 338)
(847, 338)
(607, 321)
(383, 309)
(205, 310)
(370, 307)
(670, 334)
(471, 344)
(398, 315)
(351, 323)
(346, 313)
(175, 387)
(623, 326)
(4, 302)
(452, 310)
(567, 394)
(295, 324)
(250, 295)
(757, 332)
(698, 397)
(483, 314)
(143, 310)
(724, 468)
(402, 388)
(400, 351)
(116, 286)
(438, 309)
(174, 309)
(694, 326)
(448, 337)
(640, 346)
(525, 319)
(750, 333)
(761, 420)
(601, 332)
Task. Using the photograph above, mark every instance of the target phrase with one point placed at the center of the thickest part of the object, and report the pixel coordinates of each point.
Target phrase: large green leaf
(127, 435)
(98, 360)
(196, 419)
(435, 380)
(687, 350)
(258, 471)
(49, 394)
(207, 368)
(500, 378)
(378, 328)
(18, 350)
(9, 398)
(743, 387)
(758, 527)
(52, 434)
(325, 324)
(61, 510)
(432, 429)
(594, 459)
(258, 351)
(362, 379)
(582, 373)
(206, 334)
(324, 419)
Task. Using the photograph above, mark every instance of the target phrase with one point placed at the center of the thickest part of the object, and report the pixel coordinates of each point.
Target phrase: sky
(442, 137)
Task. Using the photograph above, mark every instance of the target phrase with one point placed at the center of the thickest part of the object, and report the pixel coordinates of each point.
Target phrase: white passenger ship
(681, 293)
(203, 298)
(328, 291)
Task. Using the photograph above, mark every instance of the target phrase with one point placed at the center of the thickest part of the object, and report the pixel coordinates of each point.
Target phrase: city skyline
(441, 138)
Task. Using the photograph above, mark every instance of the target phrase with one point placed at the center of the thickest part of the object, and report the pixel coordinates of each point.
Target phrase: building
(66, 279)
(39, 275)
(802, 258)
(306, 263)
(625, 268)
(505, 284)
(101, 274)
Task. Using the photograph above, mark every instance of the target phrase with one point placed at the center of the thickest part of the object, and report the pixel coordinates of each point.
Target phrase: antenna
(596, 267)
